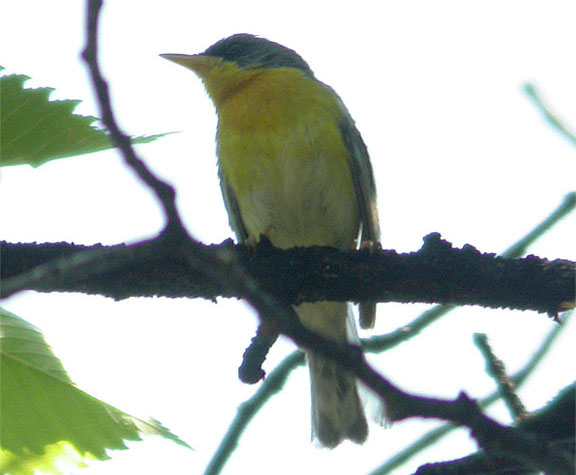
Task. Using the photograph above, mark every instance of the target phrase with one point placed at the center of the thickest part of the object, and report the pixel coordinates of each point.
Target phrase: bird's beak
(200, 64)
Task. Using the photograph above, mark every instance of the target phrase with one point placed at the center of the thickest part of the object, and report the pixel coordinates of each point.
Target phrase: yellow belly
(287, 165)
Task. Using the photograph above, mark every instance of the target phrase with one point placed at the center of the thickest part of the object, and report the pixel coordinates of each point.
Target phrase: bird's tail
(337, 412)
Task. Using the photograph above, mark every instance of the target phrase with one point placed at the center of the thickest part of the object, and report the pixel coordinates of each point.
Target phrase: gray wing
(365, 189)
(363, 177)
(234, 215)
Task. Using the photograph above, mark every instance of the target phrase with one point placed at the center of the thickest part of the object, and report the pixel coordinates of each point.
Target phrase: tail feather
(337, 412)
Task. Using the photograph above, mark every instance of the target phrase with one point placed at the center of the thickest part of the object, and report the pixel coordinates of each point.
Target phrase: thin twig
(532, 93)
(273, 384)
(497, 370)
(518, 378)
(520, 247)
(164, 192)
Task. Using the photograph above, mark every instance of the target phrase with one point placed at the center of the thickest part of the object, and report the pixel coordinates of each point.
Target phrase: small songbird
(294, 168)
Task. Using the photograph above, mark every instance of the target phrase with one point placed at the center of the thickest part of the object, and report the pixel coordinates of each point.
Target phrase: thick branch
(437, 273)
(555, 421)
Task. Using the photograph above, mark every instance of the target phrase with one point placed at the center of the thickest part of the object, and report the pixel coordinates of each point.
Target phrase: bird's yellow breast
(281, 152)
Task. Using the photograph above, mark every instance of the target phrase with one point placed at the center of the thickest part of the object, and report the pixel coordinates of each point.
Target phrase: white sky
(435, 88)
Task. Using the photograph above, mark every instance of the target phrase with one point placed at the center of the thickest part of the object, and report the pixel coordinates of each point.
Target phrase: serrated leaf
(46, 419)
(35, 130)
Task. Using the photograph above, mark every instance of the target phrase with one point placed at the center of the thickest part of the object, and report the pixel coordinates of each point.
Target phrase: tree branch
(518, 378)
(526, 448)
(555, 420)
(437, 273)
(531, 91)
(164, 192)
(496, 370)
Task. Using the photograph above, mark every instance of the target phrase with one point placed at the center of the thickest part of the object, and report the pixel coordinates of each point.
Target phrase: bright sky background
(435, 88)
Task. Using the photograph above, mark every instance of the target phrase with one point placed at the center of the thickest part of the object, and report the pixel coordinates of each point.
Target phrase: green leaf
(35, 130)
(46, 420)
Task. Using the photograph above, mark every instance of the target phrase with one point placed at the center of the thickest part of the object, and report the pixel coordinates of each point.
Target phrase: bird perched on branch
(294, 168)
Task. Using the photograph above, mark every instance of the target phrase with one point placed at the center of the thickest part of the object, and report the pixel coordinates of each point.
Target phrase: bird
(295, 170)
